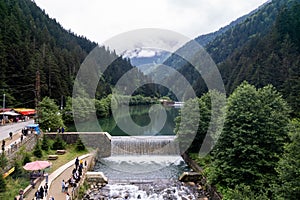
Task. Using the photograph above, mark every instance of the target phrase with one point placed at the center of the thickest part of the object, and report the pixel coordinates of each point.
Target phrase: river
(146, 165)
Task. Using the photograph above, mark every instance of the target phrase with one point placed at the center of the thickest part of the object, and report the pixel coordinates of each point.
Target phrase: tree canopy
(252, 141)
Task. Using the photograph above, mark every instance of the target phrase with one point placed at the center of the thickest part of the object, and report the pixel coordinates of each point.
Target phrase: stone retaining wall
(12, 153)
(214, 195)
(100, 140)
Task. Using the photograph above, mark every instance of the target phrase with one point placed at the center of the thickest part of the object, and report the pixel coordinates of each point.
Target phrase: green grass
(70, 154)
(14, 185)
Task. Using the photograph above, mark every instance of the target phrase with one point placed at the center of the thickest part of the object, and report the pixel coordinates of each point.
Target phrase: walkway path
(55, 179)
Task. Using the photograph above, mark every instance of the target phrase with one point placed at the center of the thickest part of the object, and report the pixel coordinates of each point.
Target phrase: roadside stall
(34, 127)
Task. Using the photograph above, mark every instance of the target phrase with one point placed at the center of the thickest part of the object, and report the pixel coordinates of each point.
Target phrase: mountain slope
(263, 49)
(29, 42)
(272, 59)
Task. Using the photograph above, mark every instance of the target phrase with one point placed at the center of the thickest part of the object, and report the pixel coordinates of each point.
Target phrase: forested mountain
(273, 58)
(31, 41)
(263, 48)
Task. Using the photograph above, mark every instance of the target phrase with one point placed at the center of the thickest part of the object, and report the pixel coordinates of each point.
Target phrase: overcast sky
(99, 20)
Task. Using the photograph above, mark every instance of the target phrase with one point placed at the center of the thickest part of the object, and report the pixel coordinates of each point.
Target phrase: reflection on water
(139, 114)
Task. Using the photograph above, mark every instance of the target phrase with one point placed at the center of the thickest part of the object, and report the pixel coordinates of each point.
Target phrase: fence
(75, 192)
(12, 153)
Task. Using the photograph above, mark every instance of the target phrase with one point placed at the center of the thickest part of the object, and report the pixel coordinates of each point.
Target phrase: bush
(79, 146)
(2, 184)
(45, 143)
(58, 143)
(18, 171)
(3, 160)
(37, 152)
(26, 159)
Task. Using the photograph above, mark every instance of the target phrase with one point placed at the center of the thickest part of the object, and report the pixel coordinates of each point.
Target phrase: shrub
(3, 160)
(79, 145)
(37, 152)
(2, 184)
(26, 159)
(58, 143)
(45, 143)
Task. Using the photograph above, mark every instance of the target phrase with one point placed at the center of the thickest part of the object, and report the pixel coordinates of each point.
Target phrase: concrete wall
(100, 140)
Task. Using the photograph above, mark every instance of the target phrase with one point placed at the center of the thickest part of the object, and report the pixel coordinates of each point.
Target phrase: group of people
(41, 192)
(74, 179)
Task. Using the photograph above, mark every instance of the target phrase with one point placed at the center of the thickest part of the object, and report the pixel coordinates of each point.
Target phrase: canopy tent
(5, 109)
(35, 127)
(9, 113)
(37, 165)
(25, 111)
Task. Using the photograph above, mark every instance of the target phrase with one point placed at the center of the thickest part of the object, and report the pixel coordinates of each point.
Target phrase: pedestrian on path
(63, 186)
(21, 138)
(46, 175)
(46, 189)
(10, 135)
(76, 162)
(41, 192)
(3, 145)
(68, 196)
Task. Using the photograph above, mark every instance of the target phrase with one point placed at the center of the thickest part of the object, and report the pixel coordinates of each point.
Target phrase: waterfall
(144, 145)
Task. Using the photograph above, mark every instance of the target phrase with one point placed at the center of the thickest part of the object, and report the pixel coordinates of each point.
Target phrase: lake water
(139, 114)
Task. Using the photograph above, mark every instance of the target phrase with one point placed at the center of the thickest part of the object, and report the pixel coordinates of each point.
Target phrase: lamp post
(3, 109)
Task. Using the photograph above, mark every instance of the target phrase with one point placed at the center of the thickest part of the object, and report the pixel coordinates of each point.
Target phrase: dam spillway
(144, 145)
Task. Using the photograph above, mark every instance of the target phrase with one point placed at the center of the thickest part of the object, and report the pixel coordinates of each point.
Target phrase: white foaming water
(141, 168)
(155, 191)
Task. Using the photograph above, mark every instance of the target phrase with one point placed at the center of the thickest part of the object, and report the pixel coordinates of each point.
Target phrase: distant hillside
(271, 59)
(29, 42)
(261, 48)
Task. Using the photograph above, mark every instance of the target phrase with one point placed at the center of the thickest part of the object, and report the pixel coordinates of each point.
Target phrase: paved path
(55, 179)
(14, 127)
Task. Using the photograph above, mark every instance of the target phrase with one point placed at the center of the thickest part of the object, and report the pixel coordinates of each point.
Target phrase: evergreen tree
(45, 143)
(252, 140)
(79, 145)
(2, 184)
(288, 186)
(3, 160)
(59, 143)
(26, 159)
(37, 151)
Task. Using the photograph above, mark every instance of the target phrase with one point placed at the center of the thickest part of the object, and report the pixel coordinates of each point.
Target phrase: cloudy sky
(99, 20)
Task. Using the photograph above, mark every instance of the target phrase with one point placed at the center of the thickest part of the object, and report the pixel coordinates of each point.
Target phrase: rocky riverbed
(150, 191)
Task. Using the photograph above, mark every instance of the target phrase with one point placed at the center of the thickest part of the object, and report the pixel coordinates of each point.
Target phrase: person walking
(76, 162)
(10, 135)
(41, 192)
(68, 196)
(63, 186)
(46, 189)
(46, 175)
(21, 138)
(3, 145)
